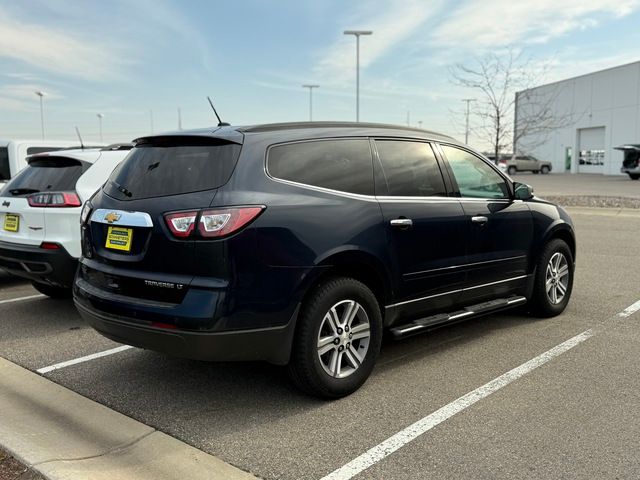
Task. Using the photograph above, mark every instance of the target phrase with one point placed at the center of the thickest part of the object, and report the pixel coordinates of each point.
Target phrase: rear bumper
(53, 267)
(269, 344)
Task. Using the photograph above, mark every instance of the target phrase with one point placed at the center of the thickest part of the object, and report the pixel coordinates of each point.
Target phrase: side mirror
(522, 191)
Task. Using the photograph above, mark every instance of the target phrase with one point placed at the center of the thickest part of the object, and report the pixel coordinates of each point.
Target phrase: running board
(429, 323)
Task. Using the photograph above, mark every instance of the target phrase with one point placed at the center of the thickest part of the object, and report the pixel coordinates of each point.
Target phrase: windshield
(161, 169)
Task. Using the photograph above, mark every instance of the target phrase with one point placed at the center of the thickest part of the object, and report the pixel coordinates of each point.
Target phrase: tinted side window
(410, 168)
(474, 177)
(5, 174)
(343, 165)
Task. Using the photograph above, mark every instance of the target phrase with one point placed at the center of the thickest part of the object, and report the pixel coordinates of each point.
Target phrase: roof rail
(301, 125)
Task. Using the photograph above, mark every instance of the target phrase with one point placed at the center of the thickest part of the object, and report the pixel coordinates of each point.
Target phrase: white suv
(40, 214)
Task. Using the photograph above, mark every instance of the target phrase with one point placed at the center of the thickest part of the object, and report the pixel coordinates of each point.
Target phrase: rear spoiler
(628, 147)
(202, 137)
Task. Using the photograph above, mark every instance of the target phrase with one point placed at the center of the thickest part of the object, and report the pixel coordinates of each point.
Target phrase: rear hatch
(631, 155)
(133, 244)
(47, 182)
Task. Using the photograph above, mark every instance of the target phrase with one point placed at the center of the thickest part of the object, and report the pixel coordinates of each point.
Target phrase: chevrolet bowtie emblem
(112, 217)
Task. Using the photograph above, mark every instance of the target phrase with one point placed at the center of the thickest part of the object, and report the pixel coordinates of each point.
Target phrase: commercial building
(577, 123)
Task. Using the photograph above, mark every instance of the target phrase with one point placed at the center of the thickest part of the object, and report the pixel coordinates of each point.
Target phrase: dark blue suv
(302, 244)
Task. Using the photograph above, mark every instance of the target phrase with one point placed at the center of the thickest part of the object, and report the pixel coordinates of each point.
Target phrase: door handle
(479, 219)
(401, 222)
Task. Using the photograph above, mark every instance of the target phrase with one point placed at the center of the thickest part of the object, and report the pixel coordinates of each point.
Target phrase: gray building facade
(594, 114)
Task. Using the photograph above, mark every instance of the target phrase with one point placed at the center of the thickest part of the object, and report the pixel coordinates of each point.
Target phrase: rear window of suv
(50, 174)
(342, 165)
(173, 167)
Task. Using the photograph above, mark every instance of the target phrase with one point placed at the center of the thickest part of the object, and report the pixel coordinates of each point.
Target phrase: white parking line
(397, 441)
(400, 439)
(87, 358)
(630, 310)
(19, 299)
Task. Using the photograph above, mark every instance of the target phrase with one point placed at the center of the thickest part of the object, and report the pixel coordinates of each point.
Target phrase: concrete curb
(65, 436)
(609, 212)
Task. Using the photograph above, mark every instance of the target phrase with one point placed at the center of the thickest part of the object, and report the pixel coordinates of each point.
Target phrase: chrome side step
(429, 323)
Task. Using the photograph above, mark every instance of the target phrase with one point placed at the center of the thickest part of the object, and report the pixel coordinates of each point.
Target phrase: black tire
(52, 291)
(541, 304)
(544, 170)
(305, 368)
(512, 170)
(634, 176)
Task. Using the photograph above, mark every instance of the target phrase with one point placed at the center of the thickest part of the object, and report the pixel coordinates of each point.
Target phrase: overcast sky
(128, 58)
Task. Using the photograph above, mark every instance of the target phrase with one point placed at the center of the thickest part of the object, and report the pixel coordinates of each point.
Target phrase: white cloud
(497, 23)
(57, 51)
(392, 22)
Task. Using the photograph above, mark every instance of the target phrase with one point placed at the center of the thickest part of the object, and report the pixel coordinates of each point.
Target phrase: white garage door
(591, 150)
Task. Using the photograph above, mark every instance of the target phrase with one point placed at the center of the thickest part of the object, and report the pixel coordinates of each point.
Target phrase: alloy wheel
(557, 278)
(343, 339)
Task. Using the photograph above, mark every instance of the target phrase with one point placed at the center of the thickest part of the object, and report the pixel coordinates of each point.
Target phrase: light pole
(41, 94)
(357, 34)
(466, 131)
(100, 117)
(311, 87)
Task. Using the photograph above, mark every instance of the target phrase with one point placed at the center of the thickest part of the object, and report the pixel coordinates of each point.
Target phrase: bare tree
(499, 82)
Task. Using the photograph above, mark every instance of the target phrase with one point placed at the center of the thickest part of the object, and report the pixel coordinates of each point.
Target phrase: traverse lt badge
(153, 283)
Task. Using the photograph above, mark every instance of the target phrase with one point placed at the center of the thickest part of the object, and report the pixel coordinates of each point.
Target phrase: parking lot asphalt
(576, 416)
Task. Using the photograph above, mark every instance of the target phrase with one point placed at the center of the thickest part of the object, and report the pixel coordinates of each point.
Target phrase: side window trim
(378, 167)
(489, 163)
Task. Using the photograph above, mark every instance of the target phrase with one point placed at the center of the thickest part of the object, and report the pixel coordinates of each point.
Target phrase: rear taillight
(54, 199)
(213, 223)
(218, 223)
(85, 212)
(181, 224)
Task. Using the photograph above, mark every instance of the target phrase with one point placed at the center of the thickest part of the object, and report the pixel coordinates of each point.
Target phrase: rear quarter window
(5, 173)
(342, 165)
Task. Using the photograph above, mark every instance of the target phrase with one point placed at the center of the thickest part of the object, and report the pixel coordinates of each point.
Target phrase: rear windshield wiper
(22, 191)
(122, 189)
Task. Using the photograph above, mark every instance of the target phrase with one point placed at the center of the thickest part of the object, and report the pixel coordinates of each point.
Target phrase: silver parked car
(525, 163)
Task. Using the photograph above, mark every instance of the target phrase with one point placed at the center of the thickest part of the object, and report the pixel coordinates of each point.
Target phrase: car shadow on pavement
(7, 280)
(38, 318)
(185, 397)
(447, 337)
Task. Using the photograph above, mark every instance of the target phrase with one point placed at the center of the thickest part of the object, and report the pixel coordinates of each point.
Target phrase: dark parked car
(301, 244)
(631, 161)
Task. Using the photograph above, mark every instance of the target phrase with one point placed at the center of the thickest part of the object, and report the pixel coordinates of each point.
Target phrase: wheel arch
(357, 264)
(563, 231)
